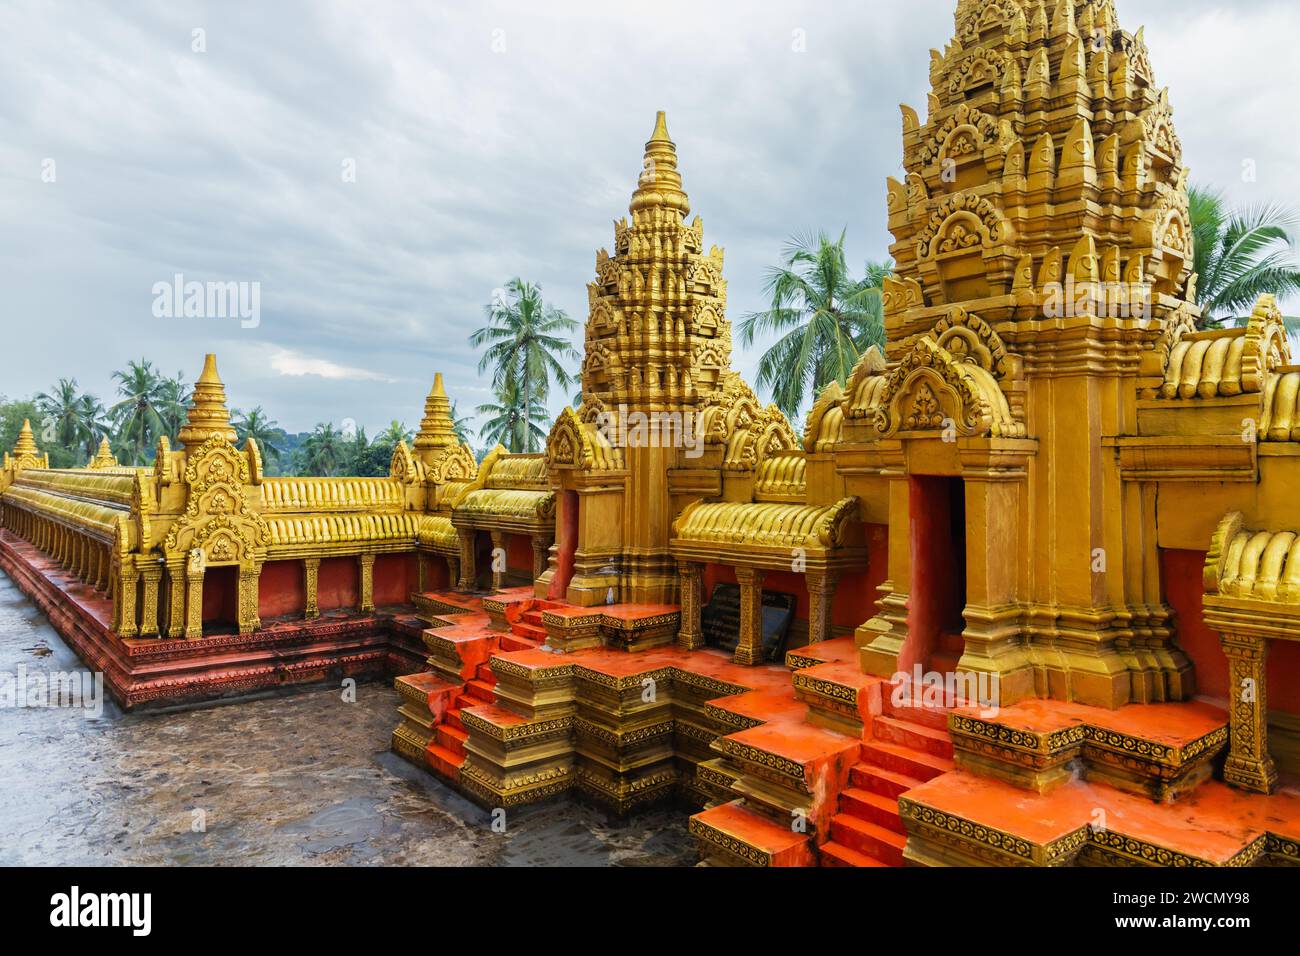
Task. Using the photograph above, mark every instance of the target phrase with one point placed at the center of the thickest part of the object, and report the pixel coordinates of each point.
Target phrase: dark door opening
(938, 587)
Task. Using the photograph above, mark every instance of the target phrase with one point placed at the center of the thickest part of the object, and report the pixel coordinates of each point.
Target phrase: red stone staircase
(908, 745)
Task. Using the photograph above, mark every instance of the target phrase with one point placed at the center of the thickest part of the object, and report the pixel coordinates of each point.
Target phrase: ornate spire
(660, 184)
(26, 446)
(208, 414)
(104, 458)
(436, 429)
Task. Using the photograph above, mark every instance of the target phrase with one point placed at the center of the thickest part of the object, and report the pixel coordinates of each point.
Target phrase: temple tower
(658, 351)
(1043, 248)
(208, 414)
(436, 431)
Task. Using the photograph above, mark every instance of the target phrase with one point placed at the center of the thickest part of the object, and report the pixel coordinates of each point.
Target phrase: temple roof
(765, 525)
(1255, 565)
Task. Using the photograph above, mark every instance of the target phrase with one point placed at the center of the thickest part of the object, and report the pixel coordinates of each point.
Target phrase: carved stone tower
(1043, 248)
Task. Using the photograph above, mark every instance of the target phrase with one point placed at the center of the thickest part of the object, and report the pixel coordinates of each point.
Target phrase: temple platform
(151, 672)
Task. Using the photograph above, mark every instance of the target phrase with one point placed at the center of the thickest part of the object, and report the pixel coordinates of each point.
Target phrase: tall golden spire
(104, 458)
(436, 430)
(208, 414)
(660, 184)
(26, 454)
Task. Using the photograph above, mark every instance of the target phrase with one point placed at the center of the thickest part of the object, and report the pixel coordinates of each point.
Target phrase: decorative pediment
(970, 339)
(962, 223)
(931, 390)
(402, 466)
(967, 130)
(218, 520)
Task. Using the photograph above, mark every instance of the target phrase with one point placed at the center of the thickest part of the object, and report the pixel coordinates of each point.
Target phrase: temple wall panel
(395, 578)
(221, 595)
(280, 589)
(340, 583)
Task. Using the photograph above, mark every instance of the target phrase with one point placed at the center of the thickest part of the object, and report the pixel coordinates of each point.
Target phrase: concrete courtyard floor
(303, 778)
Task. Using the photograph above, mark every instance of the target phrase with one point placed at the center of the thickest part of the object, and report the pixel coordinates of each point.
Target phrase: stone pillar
(124, 610)
(541, 554)
(750, 648)
(689, 635)
(498, 560)
(421, 572)
(311, 588)
(194, 571)
(249, 620)
(821, 595)
(1249, 766)
(151, 574)
(453, 570)
(366, 602)
(468, 571)
(175, 599)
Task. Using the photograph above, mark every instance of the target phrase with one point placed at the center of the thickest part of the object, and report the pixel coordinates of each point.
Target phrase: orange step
(452, 719)
(466, 700)
(873, 807)
(513, 642)
(485, 674)
(443, 761)
(928, 716)
(914, 763)
(533, 618)
(917, 736)
(833, 854)
(879, 780)
(868, 839)
(532, 632)
(451, 738)
(481, 692)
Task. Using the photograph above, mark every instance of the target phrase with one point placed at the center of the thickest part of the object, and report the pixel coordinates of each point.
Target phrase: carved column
(421, 572)
(468, 572)
(311, 588)
(175, 611)
(124, 610)
(750, 648)
(1249, 766)
(498, 560)
(194, 601)
(151, 574)
(453, 570)
(821, 595)
(689, 635)
(249, 620)
(366, 562)
(541, 554)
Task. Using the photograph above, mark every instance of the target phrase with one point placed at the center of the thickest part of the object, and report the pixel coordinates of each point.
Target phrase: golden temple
(1043, 550)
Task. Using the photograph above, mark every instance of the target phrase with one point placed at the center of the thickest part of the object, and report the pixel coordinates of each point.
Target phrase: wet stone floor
(293, 779)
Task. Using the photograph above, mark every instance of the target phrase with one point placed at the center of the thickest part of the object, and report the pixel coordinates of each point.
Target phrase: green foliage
(827, 316)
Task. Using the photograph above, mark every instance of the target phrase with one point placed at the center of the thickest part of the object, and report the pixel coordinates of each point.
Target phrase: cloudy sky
(488, 140)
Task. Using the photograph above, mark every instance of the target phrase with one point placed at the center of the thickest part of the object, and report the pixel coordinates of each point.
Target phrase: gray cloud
(473, 166)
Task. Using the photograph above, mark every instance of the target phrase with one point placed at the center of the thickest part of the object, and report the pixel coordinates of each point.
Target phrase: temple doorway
(566, 546)
(221, 599)
(938, 587)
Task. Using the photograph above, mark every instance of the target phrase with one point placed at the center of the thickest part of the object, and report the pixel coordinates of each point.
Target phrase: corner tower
(1043, 251)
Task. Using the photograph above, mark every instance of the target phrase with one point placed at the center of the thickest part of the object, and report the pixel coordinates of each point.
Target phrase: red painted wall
(395, 578)
(1184, 591)
(281, 590)
(519, 554)
(567, 530)
(221, 596)
(338, 584)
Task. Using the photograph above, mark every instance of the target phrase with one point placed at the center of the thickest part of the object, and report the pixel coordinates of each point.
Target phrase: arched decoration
(1158, 122)
(932, 391)
(564, 443)
(457, 463)
(217, 519)
(983, 66)
(968, 338)
(962, 222)
(980, 127)
(813, 433)
(1267, 347)
(402, 466)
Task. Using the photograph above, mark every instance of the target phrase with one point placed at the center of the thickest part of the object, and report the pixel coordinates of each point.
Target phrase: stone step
(914, 763)
(533, 618)
(932, 716)
(532, 632)
(452, 718)
(917, 736)
(485, 675)
(835, 854)
(879, 780)
(444, 762)
(466, 700)
(480, 691)
(451, 738)
(868, 839)
(873, 807)
(513, 642)
(738, 835)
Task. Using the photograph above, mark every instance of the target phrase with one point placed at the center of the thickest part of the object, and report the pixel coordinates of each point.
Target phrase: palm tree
(62, 409)
(137, 417)
(395, 433)
(1240, 255)
(323, 451)
(524, 345)
(267, 433)
(459, 426)
(513, 422)
(174, 399)
(95, 424)
(828, 317)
